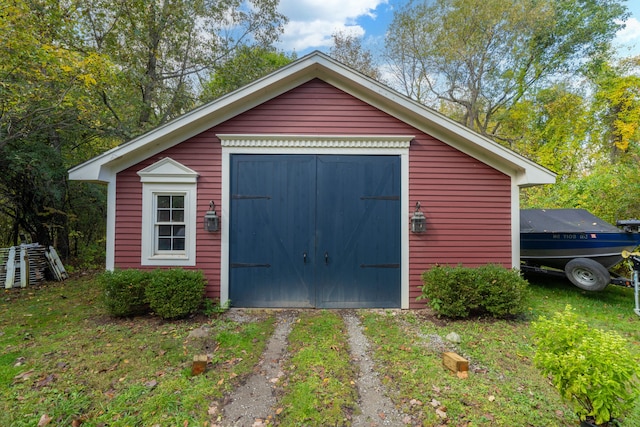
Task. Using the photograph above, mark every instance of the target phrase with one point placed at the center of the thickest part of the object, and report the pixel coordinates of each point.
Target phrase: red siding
(467, 204)
(202, 154)
(468, 209)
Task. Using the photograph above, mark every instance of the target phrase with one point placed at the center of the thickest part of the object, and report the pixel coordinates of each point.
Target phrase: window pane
(178, 216)
(178, 202)
(178, 244)
(170, 225)
(164, 244)
(164, 215)
(164, 201)
(164, 230)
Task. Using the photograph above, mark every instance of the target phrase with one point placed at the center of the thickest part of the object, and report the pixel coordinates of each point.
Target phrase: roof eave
(314, 65)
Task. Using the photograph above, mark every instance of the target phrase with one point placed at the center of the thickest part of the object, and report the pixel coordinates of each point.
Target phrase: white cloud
(312, 22)
(631, 31)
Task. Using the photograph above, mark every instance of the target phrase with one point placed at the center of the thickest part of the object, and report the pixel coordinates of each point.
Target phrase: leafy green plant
(459, 292)
(124, 292)
(175, 293)
(592, 369)
(213, 307)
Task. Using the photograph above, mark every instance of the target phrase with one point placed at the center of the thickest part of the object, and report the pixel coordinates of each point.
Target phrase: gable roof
(103, 167)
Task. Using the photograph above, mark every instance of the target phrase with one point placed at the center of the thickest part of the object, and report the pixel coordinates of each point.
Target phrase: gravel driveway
(251, 404)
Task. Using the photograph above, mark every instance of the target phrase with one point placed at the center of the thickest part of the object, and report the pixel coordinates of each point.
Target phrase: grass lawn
(65, 360)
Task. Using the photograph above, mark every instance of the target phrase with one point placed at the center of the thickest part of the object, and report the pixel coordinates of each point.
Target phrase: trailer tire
(587, 274)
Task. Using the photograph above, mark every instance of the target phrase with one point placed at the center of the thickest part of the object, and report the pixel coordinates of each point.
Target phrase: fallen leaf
(76, 423)
(441, 414)
(279, 411)
(46, 381)
(492, 398)
(221, 381)
(44, 420)
(24, 375)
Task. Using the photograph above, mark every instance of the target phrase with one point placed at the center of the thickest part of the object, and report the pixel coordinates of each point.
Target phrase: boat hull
(557, 249)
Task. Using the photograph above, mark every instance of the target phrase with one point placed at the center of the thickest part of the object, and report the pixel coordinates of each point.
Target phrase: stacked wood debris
(29, 264)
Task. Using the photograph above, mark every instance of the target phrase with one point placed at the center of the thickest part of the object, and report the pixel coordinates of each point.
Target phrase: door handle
(326, 257)
(304, 257)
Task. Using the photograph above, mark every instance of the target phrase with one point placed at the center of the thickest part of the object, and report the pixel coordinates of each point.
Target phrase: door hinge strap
(248, 264)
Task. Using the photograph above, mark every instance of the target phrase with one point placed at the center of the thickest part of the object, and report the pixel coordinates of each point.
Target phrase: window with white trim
(170, 224)
(168, 214)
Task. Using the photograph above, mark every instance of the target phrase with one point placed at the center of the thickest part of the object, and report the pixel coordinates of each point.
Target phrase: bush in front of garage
(175, 293)
(460, 292)
(124, 292)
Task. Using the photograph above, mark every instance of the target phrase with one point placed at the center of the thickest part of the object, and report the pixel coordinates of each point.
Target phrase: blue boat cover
(563, 221)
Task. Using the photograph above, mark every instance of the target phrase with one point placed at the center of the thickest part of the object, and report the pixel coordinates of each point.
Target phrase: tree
(244, 66)
(347, 48)
(78, 77)
(47, 108)
(551, 127)
(480, 57)
(165, 48)
(616, 106)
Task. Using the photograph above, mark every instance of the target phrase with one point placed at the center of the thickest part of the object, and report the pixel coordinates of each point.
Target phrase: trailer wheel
(587, 274)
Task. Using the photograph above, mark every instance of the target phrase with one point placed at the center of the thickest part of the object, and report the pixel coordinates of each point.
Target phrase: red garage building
(314, 173)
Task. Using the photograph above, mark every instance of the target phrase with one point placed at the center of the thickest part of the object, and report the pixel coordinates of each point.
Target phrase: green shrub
(592, 369)
(124, 292)
(459, 292)
(503, 291)
(175, 293)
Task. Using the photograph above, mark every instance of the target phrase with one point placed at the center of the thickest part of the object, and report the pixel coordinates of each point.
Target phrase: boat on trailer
(577, 244)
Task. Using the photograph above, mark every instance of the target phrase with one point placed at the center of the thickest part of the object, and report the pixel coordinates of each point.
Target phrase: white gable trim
(314, 65)
(168, 170)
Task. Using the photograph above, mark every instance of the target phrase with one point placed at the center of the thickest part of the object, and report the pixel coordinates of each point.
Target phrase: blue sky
(313, 21)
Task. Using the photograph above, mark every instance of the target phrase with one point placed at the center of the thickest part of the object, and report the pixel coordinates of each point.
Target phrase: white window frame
(168, 177)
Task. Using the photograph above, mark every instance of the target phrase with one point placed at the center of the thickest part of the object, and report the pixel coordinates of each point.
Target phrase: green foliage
(247, 64)
(214, 308)
(459, 292)
(319, 390)
(124, 292)
(592, 369)
(175, 293)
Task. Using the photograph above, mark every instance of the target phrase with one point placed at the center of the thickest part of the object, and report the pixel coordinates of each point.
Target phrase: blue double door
(315, 231)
